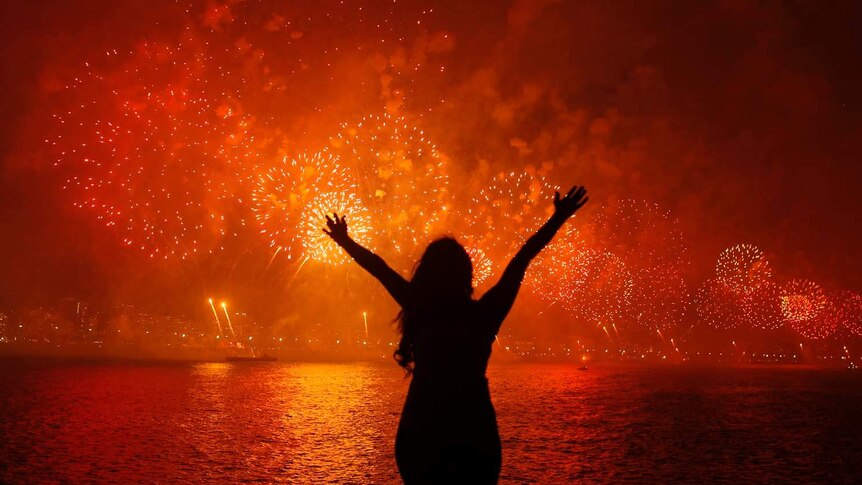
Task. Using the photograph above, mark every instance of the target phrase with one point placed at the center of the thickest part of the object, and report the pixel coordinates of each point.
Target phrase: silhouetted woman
(448, 429)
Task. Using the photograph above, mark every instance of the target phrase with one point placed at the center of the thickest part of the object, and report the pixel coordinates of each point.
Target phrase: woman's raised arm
(394, 283)
(499, 299)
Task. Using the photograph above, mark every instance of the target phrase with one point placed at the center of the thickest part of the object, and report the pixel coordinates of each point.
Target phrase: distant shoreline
(634, 364)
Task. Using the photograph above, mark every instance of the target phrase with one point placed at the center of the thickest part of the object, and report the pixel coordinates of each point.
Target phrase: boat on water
(257, 358)
(583, 367)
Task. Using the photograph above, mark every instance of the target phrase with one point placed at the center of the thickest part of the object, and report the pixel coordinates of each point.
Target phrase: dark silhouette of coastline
(448, 429)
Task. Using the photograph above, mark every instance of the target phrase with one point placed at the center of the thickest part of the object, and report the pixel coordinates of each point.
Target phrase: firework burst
(320, 247)
(843, 312)
(803, 303)
(157, 144)
(598, 288)
(824, 324)
(743, 268)
(851, 304)
(718, 305)
(557, 266)
(482, 266)
(761, 306)
(283, 194)
(643, 233)
(802, 300)
(661, 299)
(401, 177)
(163, 141)
(517, 202)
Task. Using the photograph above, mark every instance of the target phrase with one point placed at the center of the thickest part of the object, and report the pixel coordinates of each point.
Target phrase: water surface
(317, 423)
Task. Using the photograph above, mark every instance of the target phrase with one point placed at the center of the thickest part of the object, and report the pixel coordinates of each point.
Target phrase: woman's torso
(449, 391)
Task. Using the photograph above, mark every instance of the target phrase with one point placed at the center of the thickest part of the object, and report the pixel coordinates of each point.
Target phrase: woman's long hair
(443, 274)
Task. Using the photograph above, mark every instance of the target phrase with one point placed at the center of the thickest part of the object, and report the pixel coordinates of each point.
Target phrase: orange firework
(843, 312)
(761, 306)
(649, 242)
(401, 177)
(743, 268)
(595, 286)
(284, 193)
(557, 266)
(517, 202)
(482, 265)
(320, 247)
(851, 304)
(157, 144)
(162, 142)
(822, 326)
(802, 301)
(718, 306)
(661, 299)
(643, 233)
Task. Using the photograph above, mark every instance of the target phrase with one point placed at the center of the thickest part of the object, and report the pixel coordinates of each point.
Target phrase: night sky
(740, 118)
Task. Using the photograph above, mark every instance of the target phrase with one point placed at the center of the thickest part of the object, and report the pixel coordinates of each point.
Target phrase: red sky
(741, 118)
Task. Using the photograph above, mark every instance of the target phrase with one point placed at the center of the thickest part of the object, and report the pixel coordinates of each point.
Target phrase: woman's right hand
(569, 204)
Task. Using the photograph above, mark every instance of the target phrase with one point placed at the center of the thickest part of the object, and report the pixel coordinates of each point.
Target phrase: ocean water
(124, 422)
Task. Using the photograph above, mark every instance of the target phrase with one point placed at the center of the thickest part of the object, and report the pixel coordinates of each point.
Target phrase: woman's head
(445, 270)
(443, 274)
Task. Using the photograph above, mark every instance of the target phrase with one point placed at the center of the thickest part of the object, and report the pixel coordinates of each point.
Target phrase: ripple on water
(319, 423)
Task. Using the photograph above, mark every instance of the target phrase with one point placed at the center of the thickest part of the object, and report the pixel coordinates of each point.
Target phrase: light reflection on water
(297, 422)
(317, 423)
